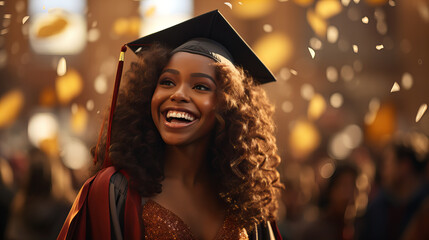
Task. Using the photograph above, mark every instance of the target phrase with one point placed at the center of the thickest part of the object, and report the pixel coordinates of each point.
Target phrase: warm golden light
(317, 23)
(10, 106)
(79, 119)
(303, 139)
(328, 8)
(274, 50)
(68, 86)
(47, 97)
(252, 8)
(304, 3)
(316, 107)
(375, 3)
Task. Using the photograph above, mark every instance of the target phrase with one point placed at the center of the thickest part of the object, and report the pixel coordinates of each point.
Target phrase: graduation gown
(92, 216)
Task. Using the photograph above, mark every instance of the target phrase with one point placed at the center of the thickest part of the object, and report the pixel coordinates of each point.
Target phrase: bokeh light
(42, 126)
(274, 49)
(11, 104)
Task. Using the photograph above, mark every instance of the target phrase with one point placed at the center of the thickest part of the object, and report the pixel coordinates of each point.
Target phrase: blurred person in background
(40, 206)
(6, 194)
(335, 198)
(403, 191)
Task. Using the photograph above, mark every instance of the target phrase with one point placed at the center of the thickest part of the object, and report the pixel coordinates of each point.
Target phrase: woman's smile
(183, 104)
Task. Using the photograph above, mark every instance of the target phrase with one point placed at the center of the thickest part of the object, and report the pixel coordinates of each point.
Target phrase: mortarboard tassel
(107, 162)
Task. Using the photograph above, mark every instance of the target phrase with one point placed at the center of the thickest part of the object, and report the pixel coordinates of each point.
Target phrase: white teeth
(183, 115)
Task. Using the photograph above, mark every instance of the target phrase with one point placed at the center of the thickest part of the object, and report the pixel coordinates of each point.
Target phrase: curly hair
(243, 154)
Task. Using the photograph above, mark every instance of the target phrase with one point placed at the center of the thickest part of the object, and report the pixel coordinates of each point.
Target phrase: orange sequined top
(162, 224)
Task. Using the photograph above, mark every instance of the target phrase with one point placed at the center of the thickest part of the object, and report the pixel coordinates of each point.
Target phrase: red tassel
(107, 162)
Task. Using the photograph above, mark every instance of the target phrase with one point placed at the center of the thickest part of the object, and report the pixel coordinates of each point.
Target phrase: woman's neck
(186, 164)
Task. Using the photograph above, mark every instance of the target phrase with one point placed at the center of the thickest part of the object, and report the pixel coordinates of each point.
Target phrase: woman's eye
(202, 87)
(166, 82)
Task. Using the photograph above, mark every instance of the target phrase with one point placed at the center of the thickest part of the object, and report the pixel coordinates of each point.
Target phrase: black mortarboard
(210, 35)
(213, 26)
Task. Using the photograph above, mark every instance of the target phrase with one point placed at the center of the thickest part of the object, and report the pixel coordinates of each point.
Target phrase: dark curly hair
(243, 154)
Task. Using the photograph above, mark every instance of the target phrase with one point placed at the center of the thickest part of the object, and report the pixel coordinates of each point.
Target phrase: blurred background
(351, 98)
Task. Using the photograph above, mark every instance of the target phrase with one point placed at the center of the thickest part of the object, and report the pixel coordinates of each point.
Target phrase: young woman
(192, 152)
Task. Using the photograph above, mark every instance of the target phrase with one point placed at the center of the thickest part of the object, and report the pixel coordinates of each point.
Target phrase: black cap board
(209, 26)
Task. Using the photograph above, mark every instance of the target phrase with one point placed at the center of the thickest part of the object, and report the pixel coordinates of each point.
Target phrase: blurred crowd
(391, 204)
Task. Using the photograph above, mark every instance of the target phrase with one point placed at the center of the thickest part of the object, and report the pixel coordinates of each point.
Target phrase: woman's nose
(180, 95)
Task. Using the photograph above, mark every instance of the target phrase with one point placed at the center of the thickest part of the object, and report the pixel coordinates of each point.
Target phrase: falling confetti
(7, 16)
(240, 3)
(355, 48)
(379, 47)
(421, 111)
(268, 28)
(356, 1)
(365, 20)
(395, 87)
(392, 3)
(312, 52)
(24, 19)
(283, 0)
(62, 67)
(1, 3)
(228, 4)
(294, 72)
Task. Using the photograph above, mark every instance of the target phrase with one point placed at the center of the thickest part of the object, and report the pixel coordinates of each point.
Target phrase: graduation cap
(209, 35)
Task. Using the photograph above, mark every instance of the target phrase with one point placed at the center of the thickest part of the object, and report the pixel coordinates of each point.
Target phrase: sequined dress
(162, 224)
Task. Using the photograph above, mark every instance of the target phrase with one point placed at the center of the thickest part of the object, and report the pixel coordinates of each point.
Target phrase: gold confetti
(294, 72)
(379, 47)
(240, 3)
(283, 0)
(24, 19)
(312, 52)
(1, 3)
(356, 1)
(365, 20)
(395, 87)
(392, 3)
(355, 48)
(62, 67)
(228, 4)
(7, 16)
(421, 111)
(268, 28)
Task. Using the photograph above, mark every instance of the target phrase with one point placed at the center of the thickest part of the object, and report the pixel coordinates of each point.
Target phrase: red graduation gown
(89, 217)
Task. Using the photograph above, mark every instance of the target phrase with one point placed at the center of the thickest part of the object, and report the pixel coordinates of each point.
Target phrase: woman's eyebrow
(203, 75)
(173, 71)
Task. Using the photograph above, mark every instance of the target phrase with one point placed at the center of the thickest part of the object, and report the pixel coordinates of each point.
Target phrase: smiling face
(184, 101)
